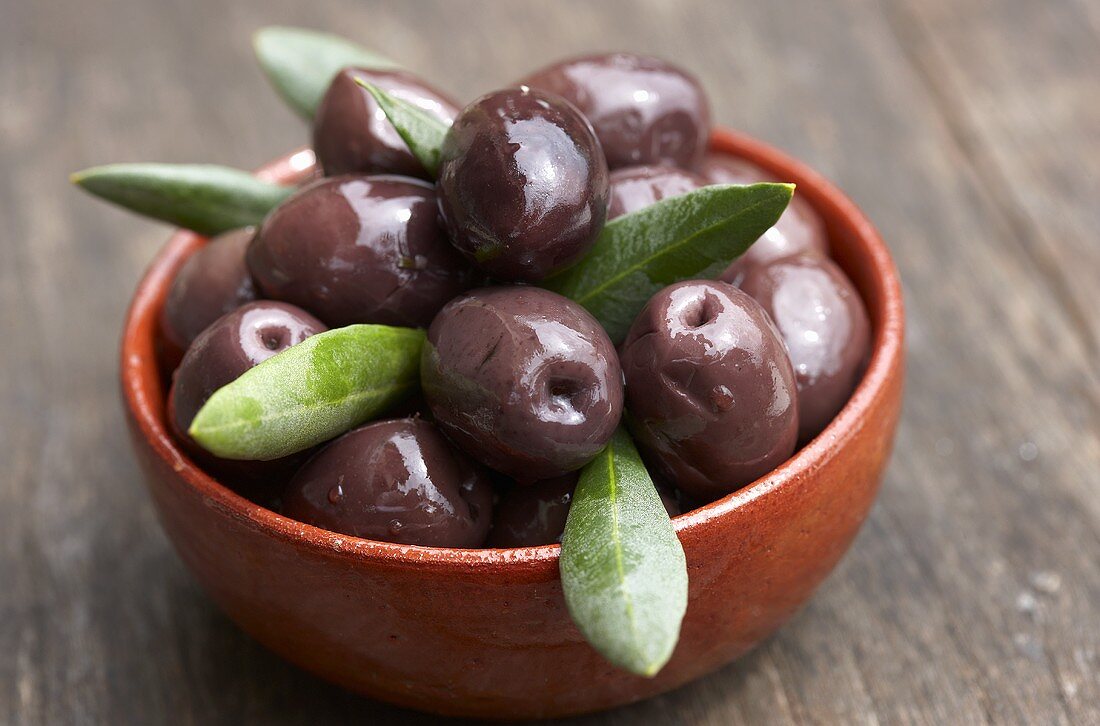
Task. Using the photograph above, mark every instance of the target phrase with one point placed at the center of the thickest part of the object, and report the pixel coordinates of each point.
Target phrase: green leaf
(694, 235)
(310, 392)
(422, 132)
(622, 566)
(206, 198)
(301, 63)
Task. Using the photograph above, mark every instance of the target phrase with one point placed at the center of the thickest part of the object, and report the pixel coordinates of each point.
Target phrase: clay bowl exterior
(485, 633)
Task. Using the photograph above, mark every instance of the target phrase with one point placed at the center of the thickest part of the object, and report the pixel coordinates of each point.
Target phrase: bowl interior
(856, 247)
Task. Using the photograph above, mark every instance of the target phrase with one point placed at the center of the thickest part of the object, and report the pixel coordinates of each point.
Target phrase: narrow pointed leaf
(622, 566)
(301, 63)
(693, 235)
(422, 132)
(310, 392)
(203, 197)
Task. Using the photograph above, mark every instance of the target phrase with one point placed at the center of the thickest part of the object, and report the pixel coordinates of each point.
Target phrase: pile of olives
(718, 380)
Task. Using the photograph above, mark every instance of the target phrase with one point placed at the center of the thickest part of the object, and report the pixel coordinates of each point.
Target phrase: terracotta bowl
(485, 633)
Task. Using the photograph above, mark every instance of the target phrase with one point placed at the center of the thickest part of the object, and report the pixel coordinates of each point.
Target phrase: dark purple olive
(394, 481)
(212, 282)
(719, 168)
(523, 379)
(644, 110)
(669, 499)
(359, 249)
(710, 392)
(535, 514)
(351, 134)
(532, 515)
(522, 184)
(800, 230)
(672, 498)
(824, 323)
(231, 345)
(637, 187)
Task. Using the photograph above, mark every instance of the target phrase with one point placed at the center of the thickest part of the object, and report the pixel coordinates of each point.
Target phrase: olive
(824, 323)
(644, 110)
(351, 133)
(528, 516)
(231, 345)
(800, 229)
(394, 481)
(636, 187)
(670, 501)
(710, 392)
(522, 184)
(532, 515)
(359, 249)
(524, 380)
(212, 282)
(671, 498)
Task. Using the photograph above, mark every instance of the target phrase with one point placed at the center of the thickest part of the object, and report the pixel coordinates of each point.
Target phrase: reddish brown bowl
(485, 632)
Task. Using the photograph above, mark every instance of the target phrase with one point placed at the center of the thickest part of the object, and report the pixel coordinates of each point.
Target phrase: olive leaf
(310, 392)
(696, 234)
(203, 197)
(622, 567)
(301, 63)
(422, 132)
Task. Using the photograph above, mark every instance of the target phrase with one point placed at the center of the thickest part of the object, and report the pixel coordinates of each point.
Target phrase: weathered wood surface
(969, 131)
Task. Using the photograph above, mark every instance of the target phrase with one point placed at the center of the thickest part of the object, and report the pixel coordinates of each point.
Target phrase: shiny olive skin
(212, 282)
(532, 515)
(710, 392)
(231, 345)
(351, 133)
(800, 229)
(359, 249)
(637, 187)
(394, 481)
(824, 323)
(528, 516)
(523, 184)
(524, 380)
(644, 110)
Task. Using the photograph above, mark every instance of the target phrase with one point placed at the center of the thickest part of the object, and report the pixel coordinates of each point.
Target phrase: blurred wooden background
(969, 130)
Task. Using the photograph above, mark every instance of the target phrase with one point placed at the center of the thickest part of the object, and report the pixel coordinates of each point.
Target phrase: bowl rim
(142, 386)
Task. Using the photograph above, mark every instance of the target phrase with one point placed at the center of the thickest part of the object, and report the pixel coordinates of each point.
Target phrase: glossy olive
(637, 187)
(212, 282)
(523, 379)
(522, 184)
(230, 346)
(710, 392)
(824, 323)
(359, 249)
(800, 230)
(351, 134)
(672, 499)
(394, 481)
(644, 110)
(532, 515)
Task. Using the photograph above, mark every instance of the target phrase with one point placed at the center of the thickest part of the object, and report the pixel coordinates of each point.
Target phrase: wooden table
(969, 130)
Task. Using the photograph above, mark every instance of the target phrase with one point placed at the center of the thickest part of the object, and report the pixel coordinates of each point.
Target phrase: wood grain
(969, 131)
